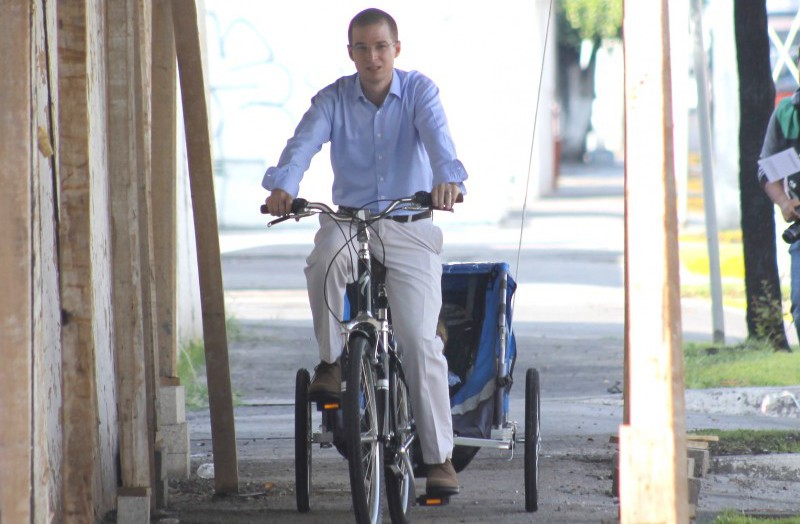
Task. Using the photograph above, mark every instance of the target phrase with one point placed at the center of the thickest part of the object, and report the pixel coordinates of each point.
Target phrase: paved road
(568, 319)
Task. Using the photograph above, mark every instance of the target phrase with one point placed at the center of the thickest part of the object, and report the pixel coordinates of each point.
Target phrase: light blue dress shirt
(377, 153)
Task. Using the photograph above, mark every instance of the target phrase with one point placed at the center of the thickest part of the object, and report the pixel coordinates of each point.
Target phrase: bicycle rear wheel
(364, 450)
(532, 439)
(400, 492)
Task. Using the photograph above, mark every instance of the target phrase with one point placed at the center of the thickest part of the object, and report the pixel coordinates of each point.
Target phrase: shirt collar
(394, 89)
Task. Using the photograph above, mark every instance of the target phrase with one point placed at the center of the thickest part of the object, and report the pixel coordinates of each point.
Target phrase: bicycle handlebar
(303, 208)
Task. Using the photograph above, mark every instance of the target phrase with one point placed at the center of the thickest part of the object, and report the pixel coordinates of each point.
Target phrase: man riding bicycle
(389, 138)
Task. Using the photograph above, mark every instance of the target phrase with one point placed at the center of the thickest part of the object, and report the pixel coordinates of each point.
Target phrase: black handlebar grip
(423, 198)
(299, 204)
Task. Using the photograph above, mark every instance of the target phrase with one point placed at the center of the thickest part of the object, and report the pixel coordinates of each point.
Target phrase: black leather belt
(397, 218)
(412, 218)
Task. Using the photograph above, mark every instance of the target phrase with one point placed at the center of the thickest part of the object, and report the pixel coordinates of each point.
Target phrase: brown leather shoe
(327, 383)
(442, 479)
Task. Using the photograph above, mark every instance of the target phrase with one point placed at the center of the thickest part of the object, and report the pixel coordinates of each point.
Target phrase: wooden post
(142, 84)
(123, 148)
(75, 261)
(164, 162)
(653, 471)
(171, 414)
(198, 145)
(16, 150)
(47, 442)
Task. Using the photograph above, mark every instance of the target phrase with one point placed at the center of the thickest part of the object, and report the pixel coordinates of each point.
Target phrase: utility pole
(653, 471)
(709, 198)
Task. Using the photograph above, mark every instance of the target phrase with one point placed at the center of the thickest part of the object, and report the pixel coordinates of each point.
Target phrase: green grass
(748, 364)
(191, 363)
(733, 293)
(733, 517)
(191, 368)
(752, 442)
(233, 329)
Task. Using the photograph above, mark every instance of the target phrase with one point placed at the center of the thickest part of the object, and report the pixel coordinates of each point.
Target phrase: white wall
(189, 316)
(725, 118)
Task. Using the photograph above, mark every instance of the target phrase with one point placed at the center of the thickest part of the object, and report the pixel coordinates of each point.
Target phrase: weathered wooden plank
(142, 98)
(46, 378)
(106, 471)
(76, 268)
(16, 257)
(164, 161)
(164, 203)
(83, 233)
(703, 438)
(653, 471)
(124, 170)
(198, 145)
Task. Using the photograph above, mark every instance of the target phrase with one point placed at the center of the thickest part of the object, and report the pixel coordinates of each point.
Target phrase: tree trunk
(576, 94)
(756, 102)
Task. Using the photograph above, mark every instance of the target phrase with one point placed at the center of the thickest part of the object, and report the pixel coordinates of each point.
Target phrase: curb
(778, 466)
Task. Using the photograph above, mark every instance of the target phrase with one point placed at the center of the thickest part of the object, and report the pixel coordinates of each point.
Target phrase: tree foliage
(590, 20)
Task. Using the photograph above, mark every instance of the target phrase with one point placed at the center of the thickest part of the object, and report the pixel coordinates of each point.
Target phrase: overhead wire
(515, 273)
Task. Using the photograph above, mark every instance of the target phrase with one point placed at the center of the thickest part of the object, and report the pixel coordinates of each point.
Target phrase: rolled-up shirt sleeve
(312, 132)
(431, 122)
(774, 142)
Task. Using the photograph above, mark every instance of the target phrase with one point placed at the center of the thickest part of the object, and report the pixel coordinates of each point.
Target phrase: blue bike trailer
(480, 348)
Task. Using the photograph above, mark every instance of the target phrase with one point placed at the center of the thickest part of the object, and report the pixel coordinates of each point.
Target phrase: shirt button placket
(378, 152)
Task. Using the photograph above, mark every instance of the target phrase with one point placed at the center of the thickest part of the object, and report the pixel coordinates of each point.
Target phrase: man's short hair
(371, 16)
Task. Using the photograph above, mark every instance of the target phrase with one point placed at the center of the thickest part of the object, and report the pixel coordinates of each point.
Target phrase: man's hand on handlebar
(444, 196)
(279, 203)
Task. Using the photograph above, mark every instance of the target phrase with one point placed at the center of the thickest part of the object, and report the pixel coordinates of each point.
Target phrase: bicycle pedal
(433, 500)
(329, 405)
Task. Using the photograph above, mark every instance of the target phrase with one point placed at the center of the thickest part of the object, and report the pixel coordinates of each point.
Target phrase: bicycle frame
(373, 324)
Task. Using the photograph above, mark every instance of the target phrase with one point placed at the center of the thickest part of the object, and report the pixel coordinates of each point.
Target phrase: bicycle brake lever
(279, 220)
(295, 216)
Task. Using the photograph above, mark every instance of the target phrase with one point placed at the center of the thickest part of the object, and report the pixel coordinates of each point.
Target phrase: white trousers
(411, 253)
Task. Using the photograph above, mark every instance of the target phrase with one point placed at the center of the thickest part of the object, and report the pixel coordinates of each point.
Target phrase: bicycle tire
(302, 441)
(532, 439)
(364, 450)
(400, 489)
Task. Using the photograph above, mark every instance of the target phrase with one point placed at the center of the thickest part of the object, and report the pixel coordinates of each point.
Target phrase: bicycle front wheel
(400, 466)
(364, 450)
(302, 441)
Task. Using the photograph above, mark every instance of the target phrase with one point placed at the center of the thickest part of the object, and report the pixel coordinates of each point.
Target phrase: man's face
(373, 51)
